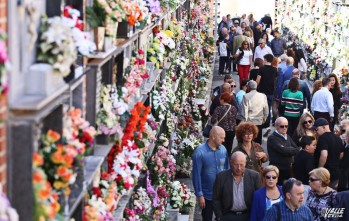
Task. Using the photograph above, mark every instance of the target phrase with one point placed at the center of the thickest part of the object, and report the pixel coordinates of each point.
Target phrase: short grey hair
(237, 154)
(278, 120)
(296, 72)
(252, 85)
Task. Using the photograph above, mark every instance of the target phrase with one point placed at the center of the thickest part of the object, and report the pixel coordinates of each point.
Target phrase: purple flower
(154, 6)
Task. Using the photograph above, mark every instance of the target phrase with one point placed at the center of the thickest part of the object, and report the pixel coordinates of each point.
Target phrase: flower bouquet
(46, 205)
(57, 46)
(3, 62)
(96, 209)
(142, 204)
(107, 120)
(58, 162)
(162, 166)
(181, 197)
(82, 39)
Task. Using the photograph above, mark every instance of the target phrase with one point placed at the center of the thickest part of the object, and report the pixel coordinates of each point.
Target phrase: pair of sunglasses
(270, 177)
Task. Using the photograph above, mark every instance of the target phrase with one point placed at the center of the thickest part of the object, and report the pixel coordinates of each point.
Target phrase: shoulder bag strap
(224, 114)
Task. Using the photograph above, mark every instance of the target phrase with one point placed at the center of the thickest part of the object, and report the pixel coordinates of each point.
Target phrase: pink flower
(3, 53)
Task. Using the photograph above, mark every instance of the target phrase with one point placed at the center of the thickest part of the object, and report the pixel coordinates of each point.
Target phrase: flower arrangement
(135, 74)
(160, 209)
(96, 210)
(57, 46)
(162, 166)
(142, 204)
(154, 7)
(46, 199)
(180, 196)
(124, 159)
(107, 120)
(82, 39)
(78, 132)
(3, 63)
(58, 162)
(97, 13)
(118, 12)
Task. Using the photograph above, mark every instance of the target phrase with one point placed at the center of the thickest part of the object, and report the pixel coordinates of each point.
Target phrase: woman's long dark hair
(336, 87)
(299, 54)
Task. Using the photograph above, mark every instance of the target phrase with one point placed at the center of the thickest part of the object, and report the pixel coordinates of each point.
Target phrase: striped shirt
(293, 102)
(303, 213)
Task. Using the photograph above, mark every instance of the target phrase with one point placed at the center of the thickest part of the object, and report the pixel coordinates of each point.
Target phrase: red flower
(97, 191)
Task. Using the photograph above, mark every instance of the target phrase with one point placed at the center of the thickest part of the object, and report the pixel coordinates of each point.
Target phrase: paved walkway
(216, 81)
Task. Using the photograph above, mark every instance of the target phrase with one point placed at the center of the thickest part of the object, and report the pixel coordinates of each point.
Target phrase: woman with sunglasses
(245, 61)
(321, 195)
(268, 195)
(304, 128)
(246, 132)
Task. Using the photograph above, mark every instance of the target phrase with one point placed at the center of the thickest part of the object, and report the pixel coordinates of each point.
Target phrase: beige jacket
(237, 42)
(254, 107)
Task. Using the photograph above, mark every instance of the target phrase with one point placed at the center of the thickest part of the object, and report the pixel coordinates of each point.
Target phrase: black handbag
(241, 55)
(208, 127)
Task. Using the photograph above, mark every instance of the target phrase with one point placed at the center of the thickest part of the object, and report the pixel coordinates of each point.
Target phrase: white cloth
(322, 101)
(270, 37)
(245, 60)
(302, 66)
(223, 49)
(254, 107)
(259, 53)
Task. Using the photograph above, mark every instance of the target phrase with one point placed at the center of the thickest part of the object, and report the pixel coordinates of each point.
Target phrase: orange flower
(45, 192)
(37, 177)
(38, 160)
(57, 157)
(64, 173)
(52, 136)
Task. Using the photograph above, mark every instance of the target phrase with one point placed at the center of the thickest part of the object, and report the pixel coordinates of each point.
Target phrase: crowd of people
(304, 171)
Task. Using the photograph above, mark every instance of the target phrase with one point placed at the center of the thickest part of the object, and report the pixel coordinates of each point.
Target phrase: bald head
(226, 88)
(238, 155)
(290, 61)
(296, 73)
(280, 121)
(224, 18)
(239, 31)
(216, 130)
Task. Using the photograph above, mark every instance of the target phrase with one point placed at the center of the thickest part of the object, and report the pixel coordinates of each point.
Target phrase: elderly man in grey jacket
(254, 108)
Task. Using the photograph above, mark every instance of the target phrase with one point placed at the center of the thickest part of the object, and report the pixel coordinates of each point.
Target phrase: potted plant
(96, 17)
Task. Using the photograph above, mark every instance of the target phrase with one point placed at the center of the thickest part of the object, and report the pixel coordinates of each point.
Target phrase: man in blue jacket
(284, 76)
(302, 87)
(209, 159)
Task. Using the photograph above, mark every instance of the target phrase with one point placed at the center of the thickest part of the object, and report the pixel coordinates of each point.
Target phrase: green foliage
(96, 15)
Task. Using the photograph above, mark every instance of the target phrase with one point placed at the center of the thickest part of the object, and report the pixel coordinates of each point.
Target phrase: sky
(238, 7)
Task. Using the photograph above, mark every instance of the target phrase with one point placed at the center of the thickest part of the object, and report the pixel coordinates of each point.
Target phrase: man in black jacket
(233, 190)
(281, 149)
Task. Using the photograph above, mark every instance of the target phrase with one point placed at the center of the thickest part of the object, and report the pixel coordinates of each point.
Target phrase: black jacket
(281, 151)
(223, 190)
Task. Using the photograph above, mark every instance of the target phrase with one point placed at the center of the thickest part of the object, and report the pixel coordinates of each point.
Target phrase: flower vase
(99, 33)
(41, 80)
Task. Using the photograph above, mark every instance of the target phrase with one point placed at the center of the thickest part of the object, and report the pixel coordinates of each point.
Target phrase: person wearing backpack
(291, 208)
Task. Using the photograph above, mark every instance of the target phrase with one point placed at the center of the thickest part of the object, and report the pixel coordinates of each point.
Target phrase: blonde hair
(323, 174)
(301, 131)
(270, 168)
